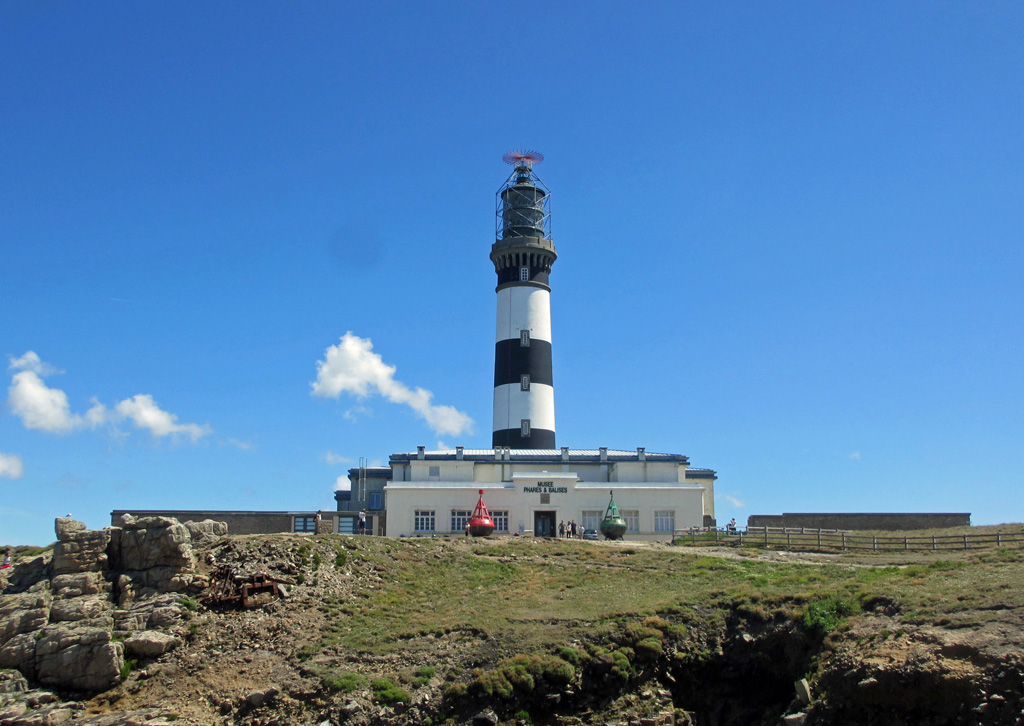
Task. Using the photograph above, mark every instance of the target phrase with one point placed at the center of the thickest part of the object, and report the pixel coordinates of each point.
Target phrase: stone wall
(861, 521)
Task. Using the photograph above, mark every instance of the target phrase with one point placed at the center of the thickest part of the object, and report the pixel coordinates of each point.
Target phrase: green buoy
(613, 526)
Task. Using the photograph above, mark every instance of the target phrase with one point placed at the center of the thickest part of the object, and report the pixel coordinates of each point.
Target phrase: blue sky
(789, 237)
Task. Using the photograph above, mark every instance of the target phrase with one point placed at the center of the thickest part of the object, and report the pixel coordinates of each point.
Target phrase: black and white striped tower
(524, 394)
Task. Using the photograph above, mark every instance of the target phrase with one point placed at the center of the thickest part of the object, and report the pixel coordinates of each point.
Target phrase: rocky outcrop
(59, 623)
(151, 644)
(154, 552)
(78, 658)
(206, 531)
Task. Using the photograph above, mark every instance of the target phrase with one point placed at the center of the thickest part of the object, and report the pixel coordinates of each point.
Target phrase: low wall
(865, 520)
(238, 522)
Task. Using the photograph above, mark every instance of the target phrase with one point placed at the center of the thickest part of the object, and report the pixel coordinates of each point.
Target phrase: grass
(542, 595)
(927, 541)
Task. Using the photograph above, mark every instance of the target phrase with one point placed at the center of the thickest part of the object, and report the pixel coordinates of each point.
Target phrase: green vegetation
(385, 691)
(344, 681)
(507, 588)
(128, 666)
(535, 616)
(340, 557)
(520, 674)
(825, 615)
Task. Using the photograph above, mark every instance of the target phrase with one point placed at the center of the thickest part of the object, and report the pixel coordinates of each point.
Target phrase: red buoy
(481, 524)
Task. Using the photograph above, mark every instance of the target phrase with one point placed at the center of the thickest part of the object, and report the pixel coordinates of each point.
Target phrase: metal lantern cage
(523, 202)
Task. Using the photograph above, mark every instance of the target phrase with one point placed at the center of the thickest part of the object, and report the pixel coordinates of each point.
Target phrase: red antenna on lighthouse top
(523, 158)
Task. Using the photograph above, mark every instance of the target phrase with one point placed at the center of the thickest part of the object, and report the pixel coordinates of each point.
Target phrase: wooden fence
(831, 540)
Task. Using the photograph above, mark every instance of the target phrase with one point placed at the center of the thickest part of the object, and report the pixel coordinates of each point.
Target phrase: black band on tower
(514, 439)
(512, 361)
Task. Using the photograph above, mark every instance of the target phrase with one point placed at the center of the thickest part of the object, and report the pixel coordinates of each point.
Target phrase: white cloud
(733, 501)
(47, 409)
(11, 466)
(41, 407)
(243, 445)
(352, 367)
(342, 484)
(855, 456)
(31, 362)
(355, 412)
(143, 411)
(331, 458)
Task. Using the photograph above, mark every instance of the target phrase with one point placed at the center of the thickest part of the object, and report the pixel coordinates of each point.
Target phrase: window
(592, 519)
(524, 274)
(460, 518)
(524, 338)
(524, 382)
(434, 473)
(500, 518)
(664, 521)
(346, 525)
(524, 427)
(304, 524)
(632, 517)
(376, 500)
(423, 520)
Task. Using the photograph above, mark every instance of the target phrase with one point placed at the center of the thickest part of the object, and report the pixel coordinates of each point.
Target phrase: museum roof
(587, 456)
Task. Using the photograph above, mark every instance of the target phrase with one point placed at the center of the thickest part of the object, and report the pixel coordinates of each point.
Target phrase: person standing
(362, 521)
(561, 529)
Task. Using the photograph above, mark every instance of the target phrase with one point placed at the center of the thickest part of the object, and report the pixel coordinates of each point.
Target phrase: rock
(28, 574)
(79, 583)
(81, 551)
(24, 612)
(11, 681)
(803, 691)
(255, 699)
(9, 713)
(66, 527)
(150, 644)
(20, 652)
(601, 664)
(81, 659)
(487, 717)
(206, 530)
(79, 608)
(156, 553)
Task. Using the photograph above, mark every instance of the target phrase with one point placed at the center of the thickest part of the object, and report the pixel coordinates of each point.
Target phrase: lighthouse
(524, 394)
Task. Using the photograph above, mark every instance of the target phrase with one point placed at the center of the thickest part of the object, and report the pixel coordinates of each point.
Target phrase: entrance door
(543, 524)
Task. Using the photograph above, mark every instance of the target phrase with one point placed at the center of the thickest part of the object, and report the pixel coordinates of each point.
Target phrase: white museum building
(530, 492)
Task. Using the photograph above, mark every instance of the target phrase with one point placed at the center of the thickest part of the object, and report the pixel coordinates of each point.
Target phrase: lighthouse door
(543, 524)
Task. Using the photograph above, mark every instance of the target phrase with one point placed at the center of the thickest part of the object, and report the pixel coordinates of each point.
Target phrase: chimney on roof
(458, 453)
(565, 453)
(604, 453)
(420, 452)
(641, 453)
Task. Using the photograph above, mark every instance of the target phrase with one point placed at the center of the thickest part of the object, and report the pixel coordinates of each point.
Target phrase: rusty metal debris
(230, 589)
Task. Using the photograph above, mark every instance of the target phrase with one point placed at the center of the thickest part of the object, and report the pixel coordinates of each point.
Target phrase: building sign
(545, 487)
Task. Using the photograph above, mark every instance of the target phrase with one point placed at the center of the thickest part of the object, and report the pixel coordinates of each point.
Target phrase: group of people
(360, 521)
(570, 530)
